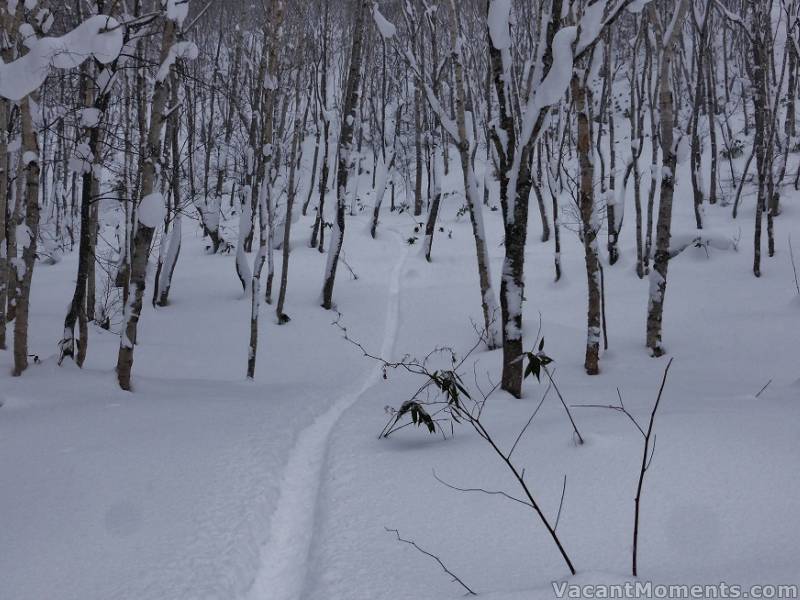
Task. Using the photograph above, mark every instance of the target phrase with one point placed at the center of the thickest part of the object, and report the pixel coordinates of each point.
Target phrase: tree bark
(144, 234)
(346, 156)
(589, 226)
(658, 277)
(30, 149)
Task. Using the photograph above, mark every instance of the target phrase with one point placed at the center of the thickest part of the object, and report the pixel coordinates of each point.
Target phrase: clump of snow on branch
(99, 37)
(81, 161)
(177, 10)
(498, 20)
(591, 24)
(385, 27)
(90, 117)
(152, 210)
(182, 50)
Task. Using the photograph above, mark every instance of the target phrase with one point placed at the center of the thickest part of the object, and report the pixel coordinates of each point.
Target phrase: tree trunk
(588, 222)
(658, 277)
(30, 159)
(86, 256)
(291, 193)
(346, 156)
(144, 231)
(164, 281)
(4, 166)
(268, 152)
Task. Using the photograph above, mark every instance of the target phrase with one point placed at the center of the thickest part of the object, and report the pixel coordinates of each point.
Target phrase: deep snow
(202, 485)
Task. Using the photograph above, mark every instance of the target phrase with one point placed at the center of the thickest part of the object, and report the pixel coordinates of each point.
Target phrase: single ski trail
(284, 558)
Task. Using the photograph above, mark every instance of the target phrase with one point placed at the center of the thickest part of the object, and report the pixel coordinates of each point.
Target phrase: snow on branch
(385, 27)
(99, 36)
(180, 50)
(177, 10)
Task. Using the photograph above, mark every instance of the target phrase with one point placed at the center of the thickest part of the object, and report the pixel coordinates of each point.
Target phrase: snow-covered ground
(200, 485)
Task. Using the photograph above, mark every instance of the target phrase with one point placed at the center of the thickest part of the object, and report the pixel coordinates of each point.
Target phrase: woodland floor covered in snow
(202, 485)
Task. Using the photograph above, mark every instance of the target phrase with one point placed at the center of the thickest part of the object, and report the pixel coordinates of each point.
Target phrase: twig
(561, 502)
(521, 433)
(766, 385)
(603, 305)
(353, 274)
(563, 402)
(621, 408)
(794, 266)
(645, 465)
(455, 577)
(481, 490)
(520, 477)
(454, 391)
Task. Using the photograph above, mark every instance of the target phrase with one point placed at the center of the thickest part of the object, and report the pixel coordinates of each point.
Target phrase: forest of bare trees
(220, 113)
(191, 184)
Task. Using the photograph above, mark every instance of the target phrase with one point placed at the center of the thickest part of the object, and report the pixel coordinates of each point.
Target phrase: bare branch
(455, 577)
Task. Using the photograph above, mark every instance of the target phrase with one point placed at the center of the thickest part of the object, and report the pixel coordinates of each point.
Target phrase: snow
(557, 80)
(23, 234)
(152, 210)
(591, 24)
(177, 10)
(637, 6)
(498, 20)
(180, 50)
(99, 36)
(201, 485)
(19, 266)
(385, 27)
(81, 161)
(90, 117)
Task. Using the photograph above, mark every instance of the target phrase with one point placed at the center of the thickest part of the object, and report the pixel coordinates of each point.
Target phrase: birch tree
(272, 36)
(658, 276)
(346, 155)
(151, 208)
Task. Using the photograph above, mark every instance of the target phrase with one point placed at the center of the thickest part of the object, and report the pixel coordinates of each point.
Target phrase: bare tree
(346, 154)
(658, 276)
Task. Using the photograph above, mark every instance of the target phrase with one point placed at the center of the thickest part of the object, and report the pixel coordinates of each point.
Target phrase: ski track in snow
(284, 558)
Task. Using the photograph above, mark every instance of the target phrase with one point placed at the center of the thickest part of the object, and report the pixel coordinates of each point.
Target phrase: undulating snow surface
(201, 485)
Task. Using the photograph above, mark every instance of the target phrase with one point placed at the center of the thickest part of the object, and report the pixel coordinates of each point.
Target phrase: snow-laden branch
(385, 27)
(100, 37)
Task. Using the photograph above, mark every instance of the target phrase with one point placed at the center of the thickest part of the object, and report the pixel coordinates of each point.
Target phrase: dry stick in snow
(472, 416)
(647, 453)
(645, 466)
(794, 266)
(564, 404)
(455, 577)
(761, 391)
